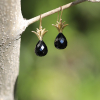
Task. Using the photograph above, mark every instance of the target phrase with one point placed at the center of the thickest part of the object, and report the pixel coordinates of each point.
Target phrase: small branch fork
(30, 21)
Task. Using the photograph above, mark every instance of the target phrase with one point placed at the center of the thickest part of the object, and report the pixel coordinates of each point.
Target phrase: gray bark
(12, 25)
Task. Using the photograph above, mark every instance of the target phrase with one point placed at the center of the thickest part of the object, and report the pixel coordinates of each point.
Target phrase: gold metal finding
(40, 32)
(59, 25)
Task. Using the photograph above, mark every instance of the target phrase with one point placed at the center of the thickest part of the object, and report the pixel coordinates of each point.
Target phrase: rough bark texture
(11, 26)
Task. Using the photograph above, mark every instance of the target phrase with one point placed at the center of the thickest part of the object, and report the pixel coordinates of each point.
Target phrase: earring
(41, 48)
(60, 41)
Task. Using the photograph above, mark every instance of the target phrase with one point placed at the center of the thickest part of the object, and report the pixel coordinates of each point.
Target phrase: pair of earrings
(60, 41)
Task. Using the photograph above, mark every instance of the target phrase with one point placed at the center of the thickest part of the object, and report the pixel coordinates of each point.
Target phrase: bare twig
(94, 0)
(30, 21)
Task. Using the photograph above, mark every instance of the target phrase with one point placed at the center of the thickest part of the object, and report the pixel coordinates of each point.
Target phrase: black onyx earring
(41, 48)
(60, 41)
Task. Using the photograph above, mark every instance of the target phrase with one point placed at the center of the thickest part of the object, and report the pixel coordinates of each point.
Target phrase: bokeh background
(69, 74)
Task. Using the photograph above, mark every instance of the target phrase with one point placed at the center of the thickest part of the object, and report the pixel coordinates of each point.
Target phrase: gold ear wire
(61, 11)
(58, 17)
(59, 25)
(40, 23)
(60, 14)
(40, 32)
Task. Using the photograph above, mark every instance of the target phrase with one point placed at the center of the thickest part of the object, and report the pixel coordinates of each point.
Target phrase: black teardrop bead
(60, 41)
(41, 48)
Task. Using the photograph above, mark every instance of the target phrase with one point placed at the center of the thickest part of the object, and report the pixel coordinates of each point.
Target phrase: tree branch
(94, 0)
(30, 21)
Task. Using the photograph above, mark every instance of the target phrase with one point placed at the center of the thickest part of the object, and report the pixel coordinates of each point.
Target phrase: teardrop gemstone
(41, 48)
(60, 41)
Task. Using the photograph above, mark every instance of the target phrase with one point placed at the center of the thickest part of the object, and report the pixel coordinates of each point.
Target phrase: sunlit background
(69, 74)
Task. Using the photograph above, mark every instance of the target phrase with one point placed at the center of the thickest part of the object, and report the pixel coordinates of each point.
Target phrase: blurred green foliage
(69, 74)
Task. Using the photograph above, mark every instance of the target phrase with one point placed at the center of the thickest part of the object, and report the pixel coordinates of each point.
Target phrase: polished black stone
(41, 48)
(60, 41)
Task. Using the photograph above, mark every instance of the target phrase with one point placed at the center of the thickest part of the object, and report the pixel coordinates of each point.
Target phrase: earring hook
(60, 25)
(40, 22)
(61, 11)
(40, 32)
(60, 15)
